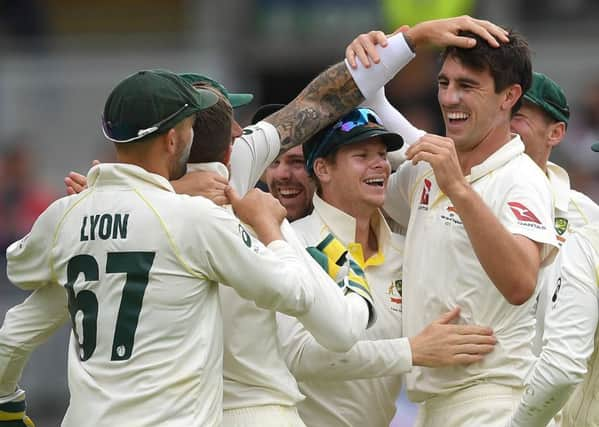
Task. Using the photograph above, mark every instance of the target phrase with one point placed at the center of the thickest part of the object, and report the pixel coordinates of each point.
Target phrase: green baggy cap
(151, 102)
(547, 95)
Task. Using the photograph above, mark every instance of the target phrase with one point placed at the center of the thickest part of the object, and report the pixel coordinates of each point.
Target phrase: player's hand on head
(363, 48)
(203, 183)
(445, 344)
(13, 411)
(444, 32)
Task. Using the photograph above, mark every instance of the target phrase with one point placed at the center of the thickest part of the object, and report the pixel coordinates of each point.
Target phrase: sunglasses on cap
(359, 117)
(120, 135)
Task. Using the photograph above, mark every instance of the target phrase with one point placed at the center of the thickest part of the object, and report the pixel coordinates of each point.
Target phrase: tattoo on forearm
(328, 97)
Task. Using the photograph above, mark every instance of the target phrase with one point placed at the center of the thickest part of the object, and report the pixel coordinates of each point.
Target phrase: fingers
(491, 33)
(358, 50)
(364, 48)
(95, 162)
(232, 195)
(75, 183)
(220, 198)
(350, 55)
(449, 316)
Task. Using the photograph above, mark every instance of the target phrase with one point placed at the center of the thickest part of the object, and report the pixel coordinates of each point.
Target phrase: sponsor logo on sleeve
(525, 216)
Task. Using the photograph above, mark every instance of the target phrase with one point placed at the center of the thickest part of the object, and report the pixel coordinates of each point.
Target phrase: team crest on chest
(561, 225)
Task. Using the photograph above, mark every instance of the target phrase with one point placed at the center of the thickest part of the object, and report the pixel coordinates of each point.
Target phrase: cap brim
(392, 140)
(264, 111)
(595, 146)
(240, 99)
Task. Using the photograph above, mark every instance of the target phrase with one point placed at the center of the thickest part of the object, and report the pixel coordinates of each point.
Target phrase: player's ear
(557, 131)
(170, 141)
(322, 170)
(511, 95)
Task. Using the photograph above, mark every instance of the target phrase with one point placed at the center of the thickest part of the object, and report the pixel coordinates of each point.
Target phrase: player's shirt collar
(560, 186)
(118, 173)
(512, 149)
(343, 226)
(217, 167)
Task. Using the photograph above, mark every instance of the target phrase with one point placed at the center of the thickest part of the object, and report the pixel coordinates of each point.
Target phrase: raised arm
(337, 90)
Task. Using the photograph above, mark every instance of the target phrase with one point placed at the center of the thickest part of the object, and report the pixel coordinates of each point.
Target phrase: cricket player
(541, 122)
(472, 203)
(568, 361)
(136, 345)
(545, 113)
(349, 165)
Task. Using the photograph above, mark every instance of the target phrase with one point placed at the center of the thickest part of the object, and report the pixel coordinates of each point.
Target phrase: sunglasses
(115, 135)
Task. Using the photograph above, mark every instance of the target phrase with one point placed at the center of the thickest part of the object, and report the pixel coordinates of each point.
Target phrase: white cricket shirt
(141, 265)
(357, 388)
(441, 270)
(571, 341)
(572, 210)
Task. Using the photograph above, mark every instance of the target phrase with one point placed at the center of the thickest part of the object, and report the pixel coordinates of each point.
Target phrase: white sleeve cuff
(394, 57)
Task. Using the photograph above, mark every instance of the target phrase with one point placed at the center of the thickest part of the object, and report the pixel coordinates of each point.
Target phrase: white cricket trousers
(488, 405)
(263, 416)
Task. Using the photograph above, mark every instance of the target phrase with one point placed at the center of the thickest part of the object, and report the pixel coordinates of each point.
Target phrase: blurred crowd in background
(60, 58)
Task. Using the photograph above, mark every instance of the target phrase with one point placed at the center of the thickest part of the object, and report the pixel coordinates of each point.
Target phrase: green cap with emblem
(236, 99)
(549, 96)
(150, 102)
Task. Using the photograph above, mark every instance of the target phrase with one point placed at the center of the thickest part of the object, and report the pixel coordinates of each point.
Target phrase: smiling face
(288, 181)
(354, 181)
(539, 132)
(471, 109)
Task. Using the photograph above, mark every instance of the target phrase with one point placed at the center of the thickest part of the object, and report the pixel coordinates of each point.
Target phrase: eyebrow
(460, 80)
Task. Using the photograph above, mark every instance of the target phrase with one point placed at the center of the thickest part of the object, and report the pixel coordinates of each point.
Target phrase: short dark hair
(212, 132)
(508, 64)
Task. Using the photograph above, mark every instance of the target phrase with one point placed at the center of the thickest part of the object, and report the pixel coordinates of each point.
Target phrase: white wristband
(396, 55)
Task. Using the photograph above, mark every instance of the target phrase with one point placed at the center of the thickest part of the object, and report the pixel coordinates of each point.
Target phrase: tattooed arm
(334, 92)
(328, 97)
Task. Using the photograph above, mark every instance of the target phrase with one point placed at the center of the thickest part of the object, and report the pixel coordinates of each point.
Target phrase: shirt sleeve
(253, 152)
(28, 263)
(397, 197)
(279, 278)
(25, 327)
(570, 325)
(309, 361)
(527, 210)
